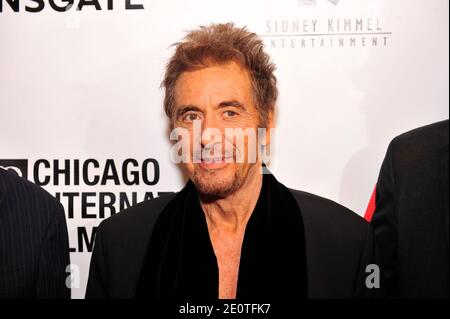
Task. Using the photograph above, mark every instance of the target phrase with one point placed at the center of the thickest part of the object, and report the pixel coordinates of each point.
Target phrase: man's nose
(211, 130)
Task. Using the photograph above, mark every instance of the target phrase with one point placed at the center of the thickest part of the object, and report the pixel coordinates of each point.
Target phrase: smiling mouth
(213, 160)
(216, 159)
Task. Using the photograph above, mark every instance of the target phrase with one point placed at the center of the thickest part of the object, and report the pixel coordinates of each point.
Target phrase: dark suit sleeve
(369, 282)
(54, 258)
(384, 222)
(97, 282)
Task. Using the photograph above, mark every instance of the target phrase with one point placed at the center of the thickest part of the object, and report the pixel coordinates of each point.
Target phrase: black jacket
(339, 246)
(411, 216)
(34, 245)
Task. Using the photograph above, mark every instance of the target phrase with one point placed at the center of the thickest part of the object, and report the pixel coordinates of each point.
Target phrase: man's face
(220, 96)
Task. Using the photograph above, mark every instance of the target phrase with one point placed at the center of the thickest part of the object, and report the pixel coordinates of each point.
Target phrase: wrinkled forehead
(213, 84)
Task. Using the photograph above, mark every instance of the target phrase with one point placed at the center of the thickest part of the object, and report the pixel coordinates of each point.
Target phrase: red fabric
(371, 206)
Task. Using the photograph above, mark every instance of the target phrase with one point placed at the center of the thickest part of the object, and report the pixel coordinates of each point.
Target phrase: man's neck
(230, 215)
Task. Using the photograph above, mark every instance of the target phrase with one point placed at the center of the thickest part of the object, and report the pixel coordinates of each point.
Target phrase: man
(231, 232)
(411, 215)
(34, 245)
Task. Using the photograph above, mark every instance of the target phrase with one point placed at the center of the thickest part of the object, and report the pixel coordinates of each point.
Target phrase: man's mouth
(213, 162)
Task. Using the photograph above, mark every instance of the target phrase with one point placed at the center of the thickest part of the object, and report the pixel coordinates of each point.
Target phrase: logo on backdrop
(362, 31)
(35, 6)
(113, 186)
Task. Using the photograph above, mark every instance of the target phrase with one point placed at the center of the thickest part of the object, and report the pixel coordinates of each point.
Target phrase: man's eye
(230, 113)
(191, 117)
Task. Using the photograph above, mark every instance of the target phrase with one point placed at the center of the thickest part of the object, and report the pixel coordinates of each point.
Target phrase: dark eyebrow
(187, 108)
(232, 103)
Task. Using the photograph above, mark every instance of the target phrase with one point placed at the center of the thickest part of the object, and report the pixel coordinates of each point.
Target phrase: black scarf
(180, 261)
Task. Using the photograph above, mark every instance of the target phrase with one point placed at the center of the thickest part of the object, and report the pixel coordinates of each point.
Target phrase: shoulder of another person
(24, 193)
(428, 136)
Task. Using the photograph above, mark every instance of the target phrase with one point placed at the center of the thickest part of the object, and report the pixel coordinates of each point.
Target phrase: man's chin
(213, 193)
(212, 186)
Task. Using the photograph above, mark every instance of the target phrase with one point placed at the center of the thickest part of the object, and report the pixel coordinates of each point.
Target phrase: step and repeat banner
(81, 109)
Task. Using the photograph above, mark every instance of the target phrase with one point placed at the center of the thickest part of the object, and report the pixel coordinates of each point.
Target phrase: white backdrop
(84, 84)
